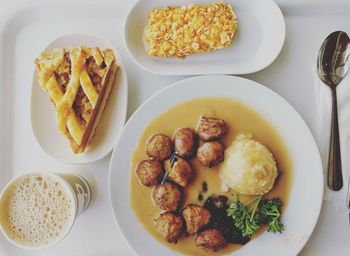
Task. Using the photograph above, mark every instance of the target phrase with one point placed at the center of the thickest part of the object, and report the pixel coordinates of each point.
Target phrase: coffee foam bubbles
(36, 210)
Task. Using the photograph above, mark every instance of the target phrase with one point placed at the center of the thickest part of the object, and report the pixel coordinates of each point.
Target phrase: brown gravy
(240, 119)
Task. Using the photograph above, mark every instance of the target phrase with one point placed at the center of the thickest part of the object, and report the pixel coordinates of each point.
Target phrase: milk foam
(36, 210)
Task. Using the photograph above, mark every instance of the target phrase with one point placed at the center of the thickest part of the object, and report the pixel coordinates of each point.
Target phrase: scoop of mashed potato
(249, 167)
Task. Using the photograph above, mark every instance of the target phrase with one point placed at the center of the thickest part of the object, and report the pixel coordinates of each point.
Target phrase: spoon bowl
(332, 67)
(332, 62)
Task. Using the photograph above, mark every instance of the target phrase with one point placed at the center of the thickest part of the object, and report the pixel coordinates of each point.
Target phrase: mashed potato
(249, 167)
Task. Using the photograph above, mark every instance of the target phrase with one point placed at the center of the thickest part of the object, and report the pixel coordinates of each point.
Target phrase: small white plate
(43, 114)
(257, 43)
(305, 201)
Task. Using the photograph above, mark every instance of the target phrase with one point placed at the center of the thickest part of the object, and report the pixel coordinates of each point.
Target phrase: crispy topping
(181, 31)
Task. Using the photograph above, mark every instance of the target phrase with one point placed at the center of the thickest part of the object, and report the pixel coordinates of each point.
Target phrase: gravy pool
(239, 119)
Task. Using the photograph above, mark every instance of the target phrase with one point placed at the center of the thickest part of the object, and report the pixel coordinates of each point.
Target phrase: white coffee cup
(38, 209)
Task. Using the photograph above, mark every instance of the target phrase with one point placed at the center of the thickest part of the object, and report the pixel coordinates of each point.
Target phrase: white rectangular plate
(256, 43)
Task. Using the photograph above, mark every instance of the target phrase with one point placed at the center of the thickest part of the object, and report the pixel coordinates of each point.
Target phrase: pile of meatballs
(204, 144)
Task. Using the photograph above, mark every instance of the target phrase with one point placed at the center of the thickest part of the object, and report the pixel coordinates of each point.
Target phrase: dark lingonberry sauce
(217, 205)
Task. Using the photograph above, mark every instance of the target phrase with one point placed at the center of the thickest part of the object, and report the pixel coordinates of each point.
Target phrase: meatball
(185, 142)
(181, 173)
(159, 146)
(211, 240)
(167, 196)
(196, 217)
(210, 153)
(211, 128)
(169, 226)
(149, 172)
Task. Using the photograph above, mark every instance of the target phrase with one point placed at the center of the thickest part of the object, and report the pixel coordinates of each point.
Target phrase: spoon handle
(334, 175)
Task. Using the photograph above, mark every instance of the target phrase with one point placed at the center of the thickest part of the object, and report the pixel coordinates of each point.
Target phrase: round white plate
(305, 201)
(257, 43)
(43, 114)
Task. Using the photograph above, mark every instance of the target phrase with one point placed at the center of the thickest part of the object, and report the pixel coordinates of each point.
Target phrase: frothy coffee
(36, 210)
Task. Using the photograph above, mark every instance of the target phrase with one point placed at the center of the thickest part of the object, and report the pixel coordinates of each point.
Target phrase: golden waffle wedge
(79, 82)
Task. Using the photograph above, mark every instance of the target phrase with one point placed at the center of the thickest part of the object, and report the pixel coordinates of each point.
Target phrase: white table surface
(6, 4)
(337, 232)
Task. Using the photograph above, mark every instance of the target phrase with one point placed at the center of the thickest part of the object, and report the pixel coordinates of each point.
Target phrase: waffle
(79, 82)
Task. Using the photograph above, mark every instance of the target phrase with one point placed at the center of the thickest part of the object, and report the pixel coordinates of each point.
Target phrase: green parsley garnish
(247, 217)
(244, 221)
(270, 215)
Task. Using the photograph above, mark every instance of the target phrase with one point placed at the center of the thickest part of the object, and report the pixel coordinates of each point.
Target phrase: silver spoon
(332, 66)
(348, 198)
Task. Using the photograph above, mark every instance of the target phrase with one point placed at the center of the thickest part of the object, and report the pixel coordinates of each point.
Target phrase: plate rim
(321, 186)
